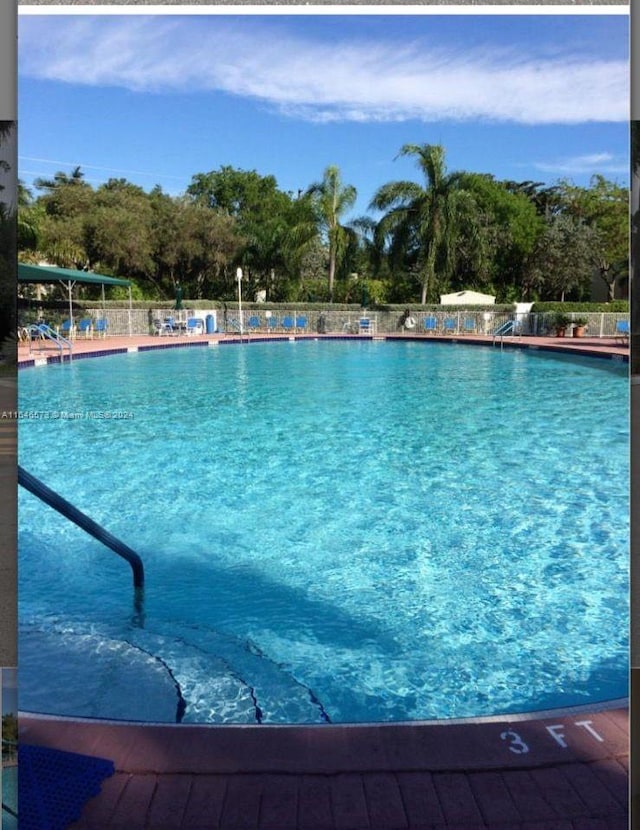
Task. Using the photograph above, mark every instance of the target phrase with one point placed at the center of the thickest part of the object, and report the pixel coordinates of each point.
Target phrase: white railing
(122, 322)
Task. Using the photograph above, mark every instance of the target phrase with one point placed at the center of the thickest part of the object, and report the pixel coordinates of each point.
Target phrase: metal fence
(124, 321)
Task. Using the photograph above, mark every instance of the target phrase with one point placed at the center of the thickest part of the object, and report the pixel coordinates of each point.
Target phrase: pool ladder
(510, 328)
(44, 332)
(53, 499)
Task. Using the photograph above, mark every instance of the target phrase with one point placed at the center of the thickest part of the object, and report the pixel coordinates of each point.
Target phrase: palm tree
(59, 179)
(426, 219)
(28, 216)
(332, 199)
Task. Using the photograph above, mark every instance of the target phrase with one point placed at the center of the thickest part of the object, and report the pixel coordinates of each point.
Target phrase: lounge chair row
(450, 325)
(289, 323)
(87, 328)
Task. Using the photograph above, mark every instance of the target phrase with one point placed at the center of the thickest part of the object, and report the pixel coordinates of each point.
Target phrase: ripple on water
(396, 530)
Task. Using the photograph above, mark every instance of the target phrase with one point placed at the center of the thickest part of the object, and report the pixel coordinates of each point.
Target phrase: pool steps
(197, 668)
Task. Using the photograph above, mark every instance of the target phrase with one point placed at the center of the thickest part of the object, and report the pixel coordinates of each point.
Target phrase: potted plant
(579, 326)
(561, 322)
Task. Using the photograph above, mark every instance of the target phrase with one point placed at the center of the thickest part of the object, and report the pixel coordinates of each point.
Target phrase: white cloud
(590, 163)
(323, 81)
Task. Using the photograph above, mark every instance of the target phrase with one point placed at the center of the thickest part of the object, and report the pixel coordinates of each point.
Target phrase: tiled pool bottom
(566, 770)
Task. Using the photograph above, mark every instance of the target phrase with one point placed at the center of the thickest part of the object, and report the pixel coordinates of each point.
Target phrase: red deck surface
(558, 771)
(563, 771)
(603, 347)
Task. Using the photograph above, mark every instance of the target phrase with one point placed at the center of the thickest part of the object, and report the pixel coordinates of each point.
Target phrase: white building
(467, 298)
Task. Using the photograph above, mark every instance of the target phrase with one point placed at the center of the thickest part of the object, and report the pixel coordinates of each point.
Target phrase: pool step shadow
(173, 673)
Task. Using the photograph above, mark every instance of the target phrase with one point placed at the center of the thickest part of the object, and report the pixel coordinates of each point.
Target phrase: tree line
(8, 243)
(447, 232)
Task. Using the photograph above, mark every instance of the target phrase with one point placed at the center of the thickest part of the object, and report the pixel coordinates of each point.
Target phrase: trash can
(210, 324)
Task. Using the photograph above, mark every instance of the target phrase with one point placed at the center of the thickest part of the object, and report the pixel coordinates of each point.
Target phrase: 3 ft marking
(557, 731)
(516, 744)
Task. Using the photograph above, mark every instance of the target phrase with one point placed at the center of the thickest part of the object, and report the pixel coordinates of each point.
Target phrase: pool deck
(607, 347)
(555, 771)
(559, 770)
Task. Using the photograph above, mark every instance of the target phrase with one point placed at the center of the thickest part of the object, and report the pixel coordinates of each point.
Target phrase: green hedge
(615, 307)
(416, 308)
(169, 305)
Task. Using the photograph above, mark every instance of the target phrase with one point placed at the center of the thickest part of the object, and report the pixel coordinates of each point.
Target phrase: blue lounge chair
(85, 327)
(622, 331)
(195, 325)
(302, 323)
(101, 326)
(253, 322)
(364, 325)
(272, 323)
(287, 323)
(469, 325)
(430, 325)
(66, 329)
(450, 326)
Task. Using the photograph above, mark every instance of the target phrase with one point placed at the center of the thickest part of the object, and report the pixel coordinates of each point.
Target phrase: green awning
(46, 274)
(49, 273)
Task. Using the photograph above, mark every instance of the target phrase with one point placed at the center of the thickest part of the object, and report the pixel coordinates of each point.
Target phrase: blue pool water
(331, 531)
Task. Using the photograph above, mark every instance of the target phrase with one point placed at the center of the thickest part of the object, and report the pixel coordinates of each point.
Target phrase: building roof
(467, 298)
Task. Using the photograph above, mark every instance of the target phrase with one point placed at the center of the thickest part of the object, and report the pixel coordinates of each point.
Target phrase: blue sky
(158, 98)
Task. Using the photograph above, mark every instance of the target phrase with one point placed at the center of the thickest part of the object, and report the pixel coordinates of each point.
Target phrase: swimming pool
(331, 531)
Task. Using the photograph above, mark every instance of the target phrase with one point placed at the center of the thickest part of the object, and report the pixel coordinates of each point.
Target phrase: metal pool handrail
(45, 331)
(72, 513)
(511, 327)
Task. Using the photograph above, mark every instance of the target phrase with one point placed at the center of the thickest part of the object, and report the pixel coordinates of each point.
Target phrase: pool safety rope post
(72, 513)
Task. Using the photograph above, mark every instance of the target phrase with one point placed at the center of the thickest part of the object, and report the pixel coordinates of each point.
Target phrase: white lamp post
(239, 278)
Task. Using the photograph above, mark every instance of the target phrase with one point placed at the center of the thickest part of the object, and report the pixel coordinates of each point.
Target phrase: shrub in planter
(579, 326)
(561, 323)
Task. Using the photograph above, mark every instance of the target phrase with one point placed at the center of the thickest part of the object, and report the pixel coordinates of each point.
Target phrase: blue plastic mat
(53, 786)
